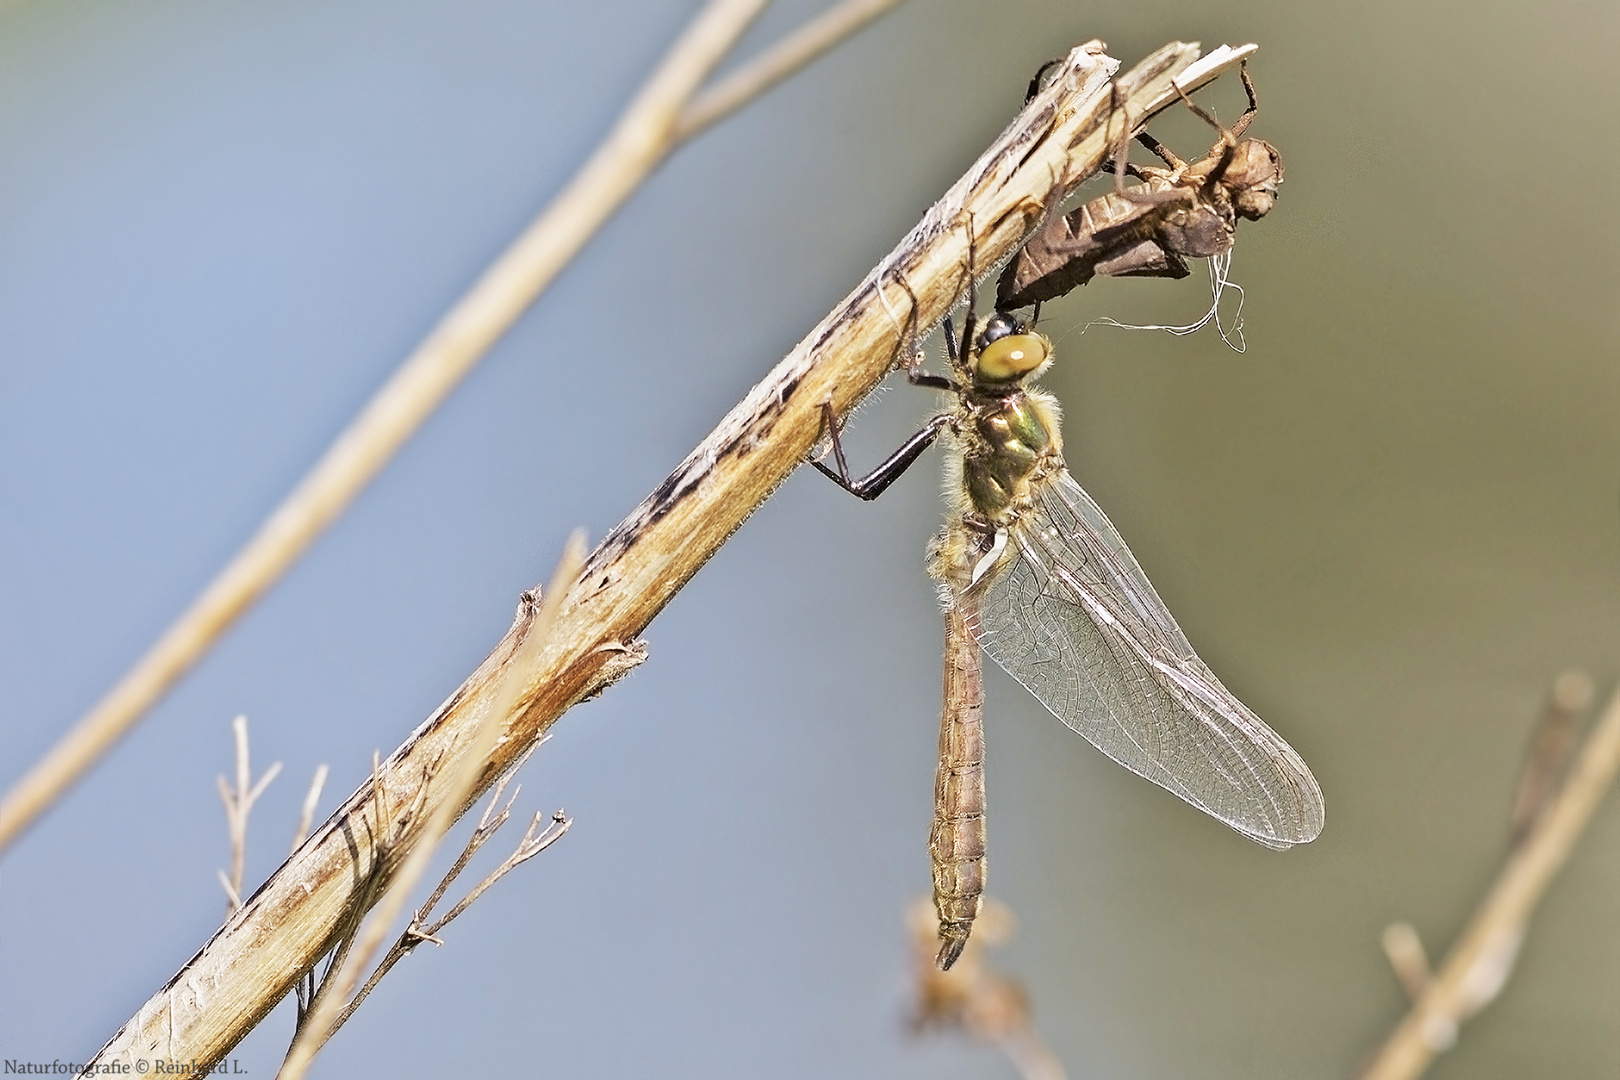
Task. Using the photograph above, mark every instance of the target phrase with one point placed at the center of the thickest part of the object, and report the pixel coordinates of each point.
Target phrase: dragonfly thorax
(1009, 438)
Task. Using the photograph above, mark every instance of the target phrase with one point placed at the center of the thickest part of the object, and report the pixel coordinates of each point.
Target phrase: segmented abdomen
(957, 842)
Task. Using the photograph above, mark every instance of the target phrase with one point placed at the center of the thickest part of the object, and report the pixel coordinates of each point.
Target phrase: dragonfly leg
(1228, 143)
(1229, 136)
(1243, 121)
(918, 377)
(1161, 151)
(874, 484)
(959, 350)
(877, 482)
(1123, 168)
(915, 374)
(1036, 84)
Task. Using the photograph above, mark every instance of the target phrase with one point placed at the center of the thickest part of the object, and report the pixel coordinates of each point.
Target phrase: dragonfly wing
(1071, 616)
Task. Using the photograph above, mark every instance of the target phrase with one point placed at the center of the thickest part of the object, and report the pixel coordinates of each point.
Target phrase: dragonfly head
(1008, 351)
(1252, 178)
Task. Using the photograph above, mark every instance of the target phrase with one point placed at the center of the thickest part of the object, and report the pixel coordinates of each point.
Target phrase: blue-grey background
(1387, 525)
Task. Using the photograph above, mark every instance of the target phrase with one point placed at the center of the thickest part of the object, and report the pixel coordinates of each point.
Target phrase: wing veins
(1190, 727)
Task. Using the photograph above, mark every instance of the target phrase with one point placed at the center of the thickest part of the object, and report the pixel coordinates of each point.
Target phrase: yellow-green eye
(1011, 357)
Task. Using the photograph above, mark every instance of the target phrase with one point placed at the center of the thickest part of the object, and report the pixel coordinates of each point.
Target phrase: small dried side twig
(238, 805)
(1483, 957)
(974, 999)
(419, 930)
(770, 67)
(1550, 747)
(307, 816)
(331, 1003)
(1403, 948)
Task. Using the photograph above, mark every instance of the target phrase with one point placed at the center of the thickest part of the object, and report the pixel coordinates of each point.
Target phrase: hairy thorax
(1009, 440)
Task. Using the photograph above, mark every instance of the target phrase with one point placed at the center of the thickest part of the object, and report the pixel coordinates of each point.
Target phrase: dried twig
(238, 805)
(332, 997)
(777, 63)
(1403, 948)
(1483, 956)
(532, 844)
(297, 916)
(664, 113)
(419, 930)
(973, 998)
(306, 816)
(1550, 747)
(488, 825)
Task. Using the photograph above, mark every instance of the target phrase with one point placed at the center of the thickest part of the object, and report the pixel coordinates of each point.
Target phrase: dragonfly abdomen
(957, 841)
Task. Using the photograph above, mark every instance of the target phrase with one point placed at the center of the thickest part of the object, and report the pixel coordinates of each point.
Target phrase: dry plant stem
(1500, 921)
(298, 915)
(238, 806)
(653, 124)
(335, 990)
(1407, 958)
(778, 62)
(1550, 746)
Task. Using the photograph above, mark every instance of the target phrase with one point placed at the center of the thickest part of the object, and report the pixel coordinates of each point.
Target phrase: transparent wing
(1070, 615)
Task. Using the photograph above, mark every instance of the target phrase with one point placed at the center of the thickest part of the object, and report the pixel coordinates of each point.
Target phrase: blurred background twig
(1545, 831)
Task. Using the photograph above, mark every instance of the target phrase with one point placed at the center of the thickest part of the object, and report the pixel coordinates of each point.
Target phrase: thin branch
(1403, 948)
(1483, 956)
(301, 912)
(233, 898)
(1550, 747)
(488, 825)
(334, 992)
(416, 933)
(238, 805)
(652, 126)
(531, 845)
(306, 816)
(778, 62)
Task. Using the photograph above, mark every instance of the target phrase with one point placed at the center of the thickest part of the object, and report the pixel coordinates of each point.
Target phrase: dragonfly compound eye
(1011, 357)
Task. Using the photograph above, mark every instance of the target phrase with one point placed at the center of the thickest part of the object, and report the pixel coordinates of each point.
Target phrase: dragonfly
(1031, 571)
(1189, 210)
